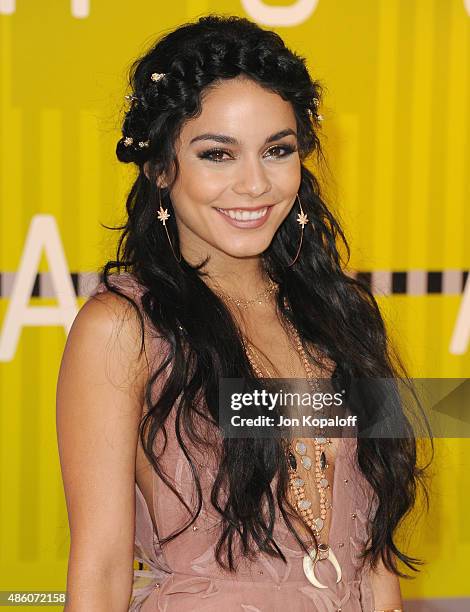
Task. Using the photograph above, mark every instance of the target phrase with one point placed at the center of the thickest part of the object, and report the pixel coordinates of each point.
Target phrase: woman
(230, 269)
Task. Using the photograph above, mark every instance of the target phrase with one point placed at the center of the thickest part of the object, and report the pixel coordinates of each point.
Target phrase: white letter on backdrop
(461, 335)
(43, 234)
(267, 15)
(79, 8)
(292, 15)
(7, 7)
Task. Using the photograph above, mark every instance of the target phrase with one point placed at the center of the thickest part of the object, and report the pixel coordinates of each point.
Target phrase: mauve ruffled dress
(184, 576)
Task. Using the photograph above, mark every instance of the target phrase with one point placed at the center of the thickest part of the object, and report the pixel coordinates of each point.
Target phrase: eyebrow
(222, 138)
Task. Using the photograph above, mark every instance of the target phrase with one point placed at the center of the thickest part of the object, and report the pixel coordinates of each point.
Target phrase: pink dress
(183, 576)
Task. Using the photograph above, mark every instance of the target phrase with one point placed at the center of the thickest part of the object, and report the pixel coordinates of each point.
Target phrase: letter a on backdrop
(44, 235)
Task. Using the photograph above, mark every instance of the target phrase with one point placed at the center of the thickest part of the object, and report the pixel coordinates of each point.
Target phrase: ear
(161, 179)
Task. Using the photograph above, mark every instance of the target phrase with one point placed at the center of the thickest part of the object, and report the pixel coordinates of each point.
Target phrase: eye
(211, 153)
(215, 154)
(288, 149)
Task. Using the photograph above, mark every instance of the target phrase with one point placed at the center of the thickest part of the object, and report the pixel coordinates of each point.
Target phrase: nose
(252, 178)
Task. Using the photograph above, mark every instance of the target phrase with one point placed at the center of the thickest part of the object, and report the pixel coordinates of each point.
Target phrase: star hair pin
(128, 140)
(157, 76)
(142, 144)
(318, 117)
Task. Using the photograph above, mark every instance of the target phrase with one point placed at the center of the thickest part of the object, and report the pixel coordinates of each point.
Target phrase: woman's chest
(276, 352)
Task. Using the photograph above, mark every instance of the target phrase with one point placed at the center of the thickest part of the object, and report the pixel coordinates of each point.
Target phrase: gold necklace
(251, 352)
(261, 298)
(296, 483)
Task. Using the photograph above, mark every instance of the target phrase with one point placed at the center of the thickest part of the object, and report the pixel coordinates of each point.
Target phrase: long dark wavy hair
(330, 308)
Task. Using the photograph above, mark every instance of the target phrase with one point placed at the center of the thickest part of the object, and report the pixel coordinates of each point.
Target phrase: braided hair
(207, 53)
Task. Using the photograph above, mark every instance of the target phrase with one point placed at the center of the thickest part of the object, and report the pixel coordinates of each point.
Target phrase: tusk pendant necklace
(323, 551)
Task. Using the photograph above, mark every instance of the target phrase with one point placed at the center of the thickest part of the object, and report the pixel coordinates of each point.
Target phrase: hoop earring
(163, 215)
(303, 220)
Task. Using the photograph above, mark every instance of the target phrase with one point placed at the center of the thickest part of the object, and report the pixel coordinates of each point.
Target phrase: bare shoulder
(99, 402)
(107, 307)
(108, 328)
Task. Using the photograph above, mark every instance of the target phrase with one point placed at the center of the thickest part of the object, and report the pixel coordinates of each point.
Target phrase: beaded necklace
(296, 483)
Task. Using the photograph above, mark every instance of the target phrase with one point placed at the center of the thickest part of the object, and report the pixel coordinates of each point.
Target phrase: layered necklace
(261, 298)
(319, 464)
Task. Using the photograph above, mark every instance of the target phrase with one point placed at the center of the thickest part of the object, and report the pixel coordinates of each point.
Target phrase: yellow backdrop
(396, 126)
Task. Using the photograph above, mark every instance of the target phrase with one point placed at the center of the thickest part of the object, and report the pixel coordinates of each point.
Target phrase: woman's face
(237, 159)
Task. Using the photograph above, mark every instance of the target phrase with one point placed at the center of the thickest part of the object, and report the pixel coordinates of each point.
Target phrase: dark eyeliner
(206, 154)
(289, 149)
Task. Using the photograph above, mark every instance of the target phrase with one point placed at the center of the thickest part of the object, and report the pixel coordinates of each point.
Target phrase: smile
(244, 215)
(245, 219)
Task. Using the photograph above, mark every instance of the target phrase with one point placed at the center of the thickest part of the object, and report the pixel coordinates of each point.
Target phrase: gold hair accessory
(128, 141)
(318, 117)
(163, 216)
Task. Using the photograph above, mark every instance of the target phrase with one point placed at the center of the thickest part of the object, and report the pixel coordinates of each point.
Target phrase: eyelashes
(211, 153)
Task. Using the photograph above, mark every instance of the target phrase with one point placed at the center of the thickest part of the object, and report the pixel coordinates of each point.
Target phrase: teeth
(244, 215)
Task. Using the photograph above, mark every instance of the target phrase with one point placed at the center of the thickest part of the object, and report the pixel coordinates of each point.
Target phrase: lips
(245, 217)
(249, 207)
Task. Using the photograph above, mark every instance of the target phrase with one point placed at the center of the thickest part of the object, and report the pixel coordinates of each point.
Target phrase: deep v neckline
(338, 471)
(334, 495)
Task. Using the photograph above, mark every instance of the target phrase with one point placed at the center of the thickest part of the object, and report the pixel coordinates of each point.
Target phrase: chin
(248, 250)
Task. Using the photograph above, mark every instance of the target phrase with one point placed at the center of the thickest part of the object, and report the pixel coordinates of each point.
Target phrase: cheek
(288, 178)
(197, 186)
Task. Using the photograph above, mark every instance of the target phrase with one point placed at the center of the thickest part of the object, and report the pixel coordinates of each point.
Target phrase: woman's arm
(386, 589)
(99, 405)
